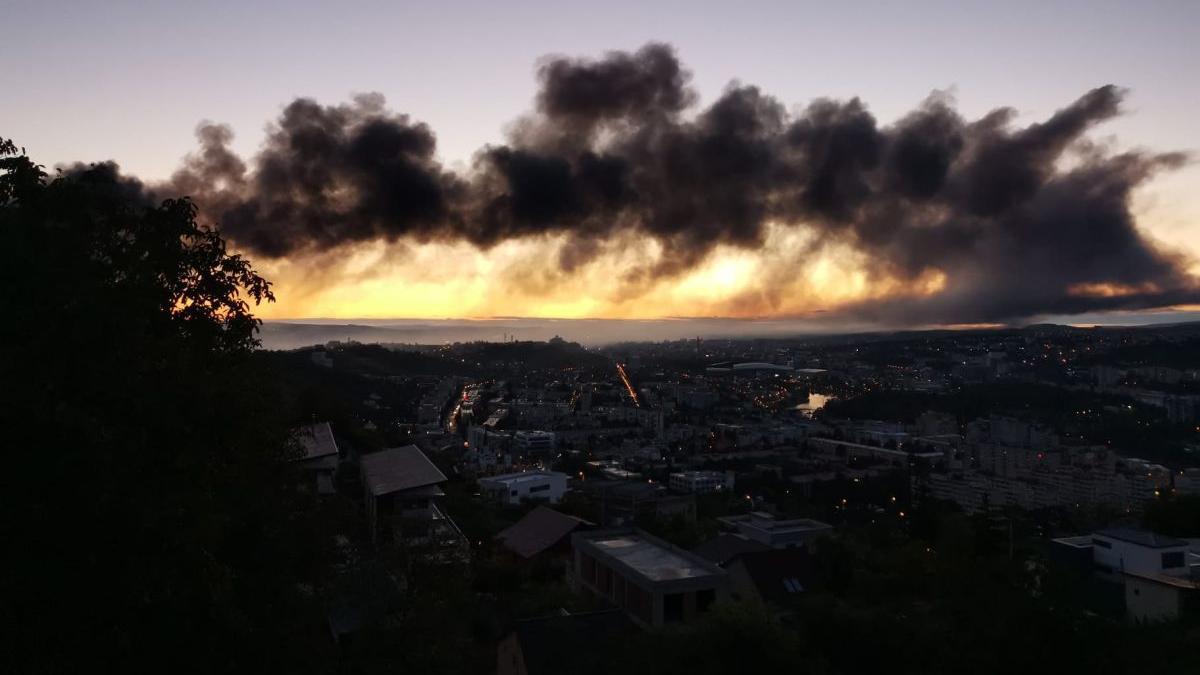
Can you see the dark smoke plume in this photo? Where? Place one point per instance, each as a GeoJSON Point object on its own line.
{"type": "Point", "coordinates": [1020, 221]}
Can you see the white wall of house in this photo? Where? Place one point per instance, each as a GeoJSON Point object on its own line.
{"type": "Point", "coordinates": [547, 486]}
{"type": "Point", "coordinates": [1126, 556]}
{"type": "Point", "coordinates": [1150, 600]}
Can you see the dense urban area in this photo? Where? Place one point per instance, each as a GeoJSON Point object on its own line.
{"type": "Point", "coordinates": [784, 499]}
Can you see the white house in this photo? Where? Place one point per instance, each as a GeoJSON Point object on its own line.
{"type": "Point", "coordinates": [1158, 575]}
{"type": "Point", "coordinates": [514, 488]}
{"type": "Point", "coordinates": [1140, 552]}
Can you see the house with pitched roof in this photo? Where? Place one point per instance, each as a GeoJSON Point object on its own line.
{"type": "Point", "coordinates": [320, 456]}
{"type": "Point", "coordinates": [401, 489]}
{"type": "Point", "coordinates": [542, 533]}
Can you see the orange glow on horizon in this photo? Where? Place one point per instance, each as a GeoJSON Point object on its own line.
{"type": "Point", "coordinates": [786, 277]}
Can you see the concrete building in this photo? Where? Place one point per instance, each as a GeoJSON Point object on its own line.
{"type": "Point", "coordinates": [1140, 552]}
{"type": "Point", "coordinates": [856, 453]}
{"type": "Point", "coordinates": [620, 502]}
{"type": "Point", "coordinates": [1158, 577]}
{"type": "Point", "coordinates": [765, 529]}
{"type": "Point", "coordinates": [514, 488]}
{"type": "Point", "coordinates": [1052, 486]}
{"type": "Point", "coordinates": [701, 482]}
{"type": "Point", "coordinates": [654, 582]}
{"type": "Point", "coordinates": [534, 443]}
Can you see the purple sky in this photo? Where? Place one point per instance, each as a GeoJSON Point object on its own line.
{"type": "Point", "coordinates": [129, 81]}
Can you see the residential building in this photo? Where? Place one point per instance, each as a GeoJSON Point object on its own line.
{"type": "Point", "coordinates": [776, 577]}
{"type": "Point", "coordinates": [534, 443]}
{"type": "Point", "coordinates": [620, 502]}
{"type": "Point", "coordinates": [401, 490]}
{"type": "Point", "coordinates": [320, 458]}
{"type": "Point", "coordinates": [655, 582]}
{"type": "Point", "coordinates": [701, 482]}
{"type": "Point", "coordinates": [766, 529]}
{"type": "Point", "coordinates": [514, 488]}
{"type": "Point", "coordinates": [1157, 576]}
{"type": "Point", "coordinates": [542, 532]}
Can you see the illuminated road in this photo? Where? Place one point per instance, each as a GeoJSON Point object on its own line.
{"type": "Point", "coordinates": [628, 386]}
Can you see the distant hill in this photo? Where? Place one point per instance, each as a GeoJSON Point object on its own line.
{"type": "Point", "coordinates": [596, 332]}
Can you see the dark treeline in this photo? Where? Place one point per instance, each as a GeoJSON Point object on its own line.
{"type": "Point", "coordinates": [148, 514]}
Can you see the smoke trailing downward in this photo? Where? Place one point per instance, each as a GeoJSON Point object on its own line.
{"type": "Point", "coordinates": [616, 146]}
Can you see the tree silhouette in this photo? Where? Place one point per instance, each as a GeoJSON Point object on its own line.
{"type": "Point", "coordinates": [147, 497]}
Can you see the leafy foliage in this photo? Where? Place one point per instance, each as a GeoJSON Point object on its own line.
{"type": "Point", "coordinates": [147, 492]}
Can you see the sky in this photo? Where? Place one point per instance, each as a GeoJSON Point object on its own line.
{"type": "Point", "coordinates": [130, 82]}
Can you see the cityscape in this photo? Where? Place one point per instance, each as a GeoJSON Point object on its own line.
{"type": "Point", "coordinates": [704, 456]}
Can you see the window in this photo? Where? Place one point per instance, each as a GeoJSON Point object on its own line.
{"type": "Point", "coordinates": [587, 568]}
{"type": "Point", "coordinates": [792, 585]}
{"type": "Point", "coordinates": [604, 579]}
{"type": "Point", "coordinates": [1101, 543]}
{"type": "Point", "coordinates": [640, 603]}
{"type": "Point", "coordinates": [705, 599]}
{"type": "Point", "coordinates": [539, 488]}
{"type": "Point", "coordinates": [672, 607]}
{"type": "Point", "coordinates": [1172, 559]}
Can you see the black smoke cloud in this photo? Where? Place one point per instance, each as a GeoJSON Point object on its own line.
{"type": "Point", "coordinates": [1021, 221]}
{"type": "Point", "coordinates": [324, 177]}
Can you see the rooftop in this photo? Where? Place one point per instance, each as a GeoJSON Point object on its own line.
{"type": "Point", "coordinates": [650, 557]}
{"type": "Point", "coordinates": [539, 530]}
{"type": "Point", "coordinates": [1142, 538]}
{"type": "Point", "coordinates": [779, 574]}
{"type": "Point", "coordinates": [397, 469]}
{"type": "Point", "coordinates": [1080, 541]}
{"type": "Point", "coordinates": [759, 365]}
{"type": "Point", "coordinates": [766, 521]}
{"type": "Point", "coordinates": [316, 440]}
{"type": "Point", "coordinates": [700, 474]}
{"type": "Point", "coordinates": [521, 477]}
